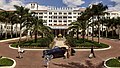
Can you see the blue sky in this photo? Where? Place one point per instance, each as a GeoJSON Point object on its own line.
{"type": "Point", "coordinates": [59, 3]}
{"type": "Point", "coordinates": [8, 4]}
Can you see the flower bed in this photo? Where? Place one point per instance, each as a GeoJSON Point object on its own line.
{"type": "Point", "coordinates": [112, 63]}
{"type": "Point", "coordinates": [7, 62]}
{"type": "Point", "coordinates": [73, 42]}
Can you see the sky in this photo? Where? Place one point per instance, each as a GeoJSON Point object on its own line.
{"type": "Point", "coordinates": [112, 4]}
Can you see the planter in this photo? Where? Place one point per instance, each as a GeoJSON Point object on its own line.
{"type": "Point", "coordinates": [108, 66]}
{"type": "Point", "coordinates": [13, 66]}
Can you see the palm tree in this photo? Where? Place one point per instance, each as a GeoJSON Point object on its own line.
{"type": "Point", "coordinates": [76, 27]}
{"type": "Point", "coordinates": [36, 26]}
{"type": "Point", "coordinates": [12, 21]}
{"type": "Point", "coordinates": [98, 10]}
{"type": "Point", "coordinates": [5, 18]}
{"type": "Point", "coordinates": [118, 26]}
{"type": "Point", "coordinates": [21, 13]}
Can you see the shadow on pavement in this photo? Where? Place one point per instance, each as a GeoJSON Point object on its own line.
{"type": "Point", "coordinates": [79, 65]}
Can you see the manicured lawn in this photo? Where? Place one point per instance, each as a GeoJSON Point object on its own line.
{"type": "Point", "coordinates": [6, 62]}
{"type": "Point", "coordinates": [41, 42]}
{"type": "Point", "coordinates": [113, 63]}
{"type": "Point", "coordinates": [86, 44]}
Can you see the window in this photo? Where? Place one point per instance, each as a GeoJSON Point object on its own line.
{"type": "Point", "coordinates": [32, 6]}
{"type": "Point", "coordinates": [60, 20]}
{"type": "Point", "coordinates": [64, 16]}
{"type": "Point", "coordinates": [69, 16]}
{"type": "Point", "coordinates": [60, 13]}
{"type": "Point", "coordinates": [65, 21]}
{"type": "Point", "coordinates": [50, 24]}
{"type": "Point", "coordinates": [40, 13]}
{"type": "Point", "coordinates": [60, 17]}
{"type": "Point", "coordinates": [69, 13]}
{"type": "Point", "coordinates": [55, 20]}
{"type": "Point", "coordinates": [74, 17]}
{"type": "Point", "coordinates": [65, 13]}
{"type": "Point", "coordinates": [50, 13]}
{"type": "Point", "coordinates": [45, 12]}
{"type": "Point", "coordinates": [55, 13]}
{"type": "Point", "coordinates": [40, 16]}
{"type": "Point", "coordinates": [50, 16]}
{"type": "Point", "coordinates": [69, 20]}
{"type": "Point", "coordinates": [50, 20]}
{"type": "Point", "coordinates": [45, 16]}
{"type": "Point", "coordinates": [55, 17]}
{"type": "Point", "coordinates": [74, 13]}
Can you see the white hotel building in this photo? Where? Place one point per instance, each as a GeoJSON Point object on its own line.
{"type": "Point", "coordinates": [57, 18]}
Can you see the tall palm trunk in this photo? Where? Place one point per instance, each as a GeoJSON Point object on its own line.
{"type": "Point", "coordinates": [83, 35]}
{"type": "Point", "coordinates": [98, 30]}
{"type": "Point", "coordinates": [11, 32]}
{"type": "Point", "coordinates": [5, 30]}
{"type": "Point", "coordinates": [112, 32]}
{"type": "Point", "coordinates": [77, 34]}
{"type": "Point", "coordinates": [16, 31]}
{"type": "Point", "coordinates": [87, 32]}
{"type": "Point", "coordinates": [106, 32]}
{"type": "Point", "coordinates": [102, 29]}
{"type": "Point", "coordinates": [92, 29]}
{"type": "Point", "coordinates": [119, 31]}
{"type": "Point", "coordinates": [27, 36]}
{"type": "Point", "coordinates": [99, 33]}
{"type": "Point", "coordinates": [20, 33]}
{"type": "Point", "coordinates": [36, 36]}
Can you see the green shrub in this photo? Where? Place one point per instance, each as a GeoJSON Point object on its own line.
{"type": "Point", "coordinates": [6, 62]}
{"type": "Point", "coordinates": [73, 42]}
{"type": "Point", "coordinates": [41, 42]}
{"type": "Point", "coordinates": [113, 63]}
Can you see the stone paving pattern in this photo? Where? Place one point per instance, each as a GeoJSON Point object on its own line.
{"type": "Point", "coordinates": [33, 59]}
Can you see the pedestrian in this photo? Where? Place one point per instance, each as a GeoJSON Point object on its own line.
{"type": "Point", "coordinates": [66, 54]}
{"type": "Point", "coordinates": [47, 60]}
{"type": "Point", "coordinates": [92, 53]}
{"type": "Point", "coordinates": [20, 52]}
{"type": "Point", "coordinates": [69, 52]}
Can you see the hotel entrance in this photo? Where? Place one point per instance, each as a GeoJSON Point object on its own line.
{"type": "Point", "coordinates": [63, 32]}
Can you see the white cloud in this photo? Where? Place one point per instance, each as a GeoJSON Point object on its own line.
{"type": "Point", "coordinates": [9, 5]}
{"type": "Point", "coordinates": [117, 6]}
{"type": "Point", "coordinates": [73, 3]}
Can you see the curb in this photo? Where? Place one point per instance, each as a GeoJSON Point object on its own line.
{"type": "Point", "coordinates": [108, 66]}
{"type": "Point", "coordinates": [102, 49]}
{"type": "Point", "coordinates": [13, 66]}
{"type": "Point", "coordinates": [27, 49]}
{"type": "Point", "coordinates": [10, 39]}
{"type": "Point", "coordinates": [74, 49]}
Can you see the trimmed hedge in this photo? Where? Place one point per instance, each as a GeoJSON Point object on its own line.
{"type": "Point", "coordinates": [113, 63]}
{"type": "Point", "coordinates": [41, 42]}
{"type": "Point", "coordinates": [6, 62]}
{"type": "Point", "coordinates": [88, 43]}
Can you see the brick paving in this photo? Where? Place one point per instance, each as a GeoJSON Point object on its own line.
{"type": "Point", "coordinates": [33, 59]}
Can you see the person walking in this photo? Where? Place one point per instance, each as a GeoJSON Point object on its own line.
{"type": "Point", "coordinates": [92, 54]}
{"type": "Point", "coordinates": [19, 52]}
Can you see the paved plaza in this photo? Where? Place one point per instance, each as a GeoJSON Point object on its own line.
{"type": "Point", "coordinates": [33, 59]}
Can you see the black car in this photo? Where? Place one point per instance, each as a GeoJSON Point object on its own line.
{"type": "Point", "coordinates": [56, 52]}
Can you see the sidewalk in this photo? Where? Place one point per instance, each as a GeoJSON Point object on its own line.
{"type": "Point", "coordinates": [11, 39]}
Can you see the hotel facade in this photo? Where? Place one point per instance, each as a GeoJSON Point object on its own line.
{"type": "Point", "coordinates": [58, 19]}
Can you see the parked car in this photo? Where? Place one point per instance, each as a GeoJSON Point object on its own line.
{"type": "Point", "coordinates": [56, 52]}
